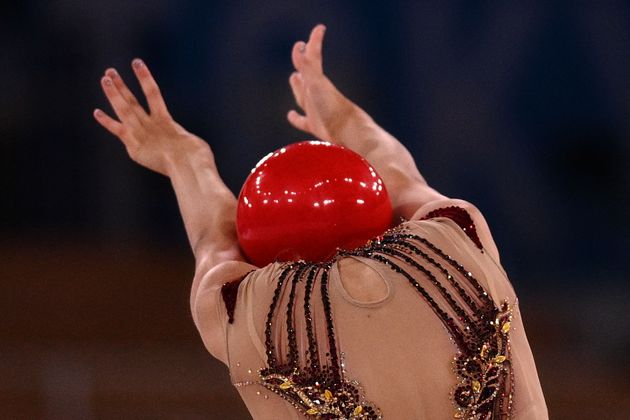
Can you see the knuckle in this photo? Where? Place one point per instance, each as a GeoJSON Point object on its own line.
{"type": "Point", "coordinates": [133, 149]}
{"type": "Point", "coordinates": [124, 107]}
{"type": "Point", "coordinates": [163, 118]}
{"type": "Point", "coordinates": [132, 103]}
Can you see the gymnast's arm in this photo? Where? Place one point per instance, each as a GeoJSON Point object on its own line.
{"type": "Point", "coordinates": [331, 116]}
{"type": "Point", "coordinates": [157, 142]}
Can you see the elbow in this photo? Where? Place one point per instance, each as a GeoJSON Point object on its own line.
{"type": "Point", "coordinates": [207, 258]}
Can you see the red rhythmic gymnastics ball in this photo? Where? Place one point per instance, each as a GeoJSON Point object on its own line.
{"type": "Point", "coordinates": [307, 199]}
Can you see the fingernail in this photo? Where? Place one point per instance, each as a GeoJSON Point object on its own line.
{"type": "Point", "coordinates": [98, 112]}
{"type": "Point", "coordinates": [111, 73]}
{"type": "Point", "coordinates": [107, 81]}
{"type": "Point", "coordinates": [137, 63]}
{"type": "Point", "coordinates": [302, 47]}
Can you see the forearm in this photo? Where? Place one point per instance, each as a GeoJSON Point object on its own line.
{"type": "Point", "coordinates": [207, 206]}
{"type": "Point", "coordinates": [407, 188]}
{"type": "Point", "coordinates": [156, 141]}
{"type": "Point", "coordinates": [329, 115]}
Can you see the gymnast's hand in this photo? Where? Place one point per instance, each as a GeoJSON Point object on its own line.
{"type": "Point", "coordinates": [153, 139]}
{"type": "Point", "coordinates": [326, 110]}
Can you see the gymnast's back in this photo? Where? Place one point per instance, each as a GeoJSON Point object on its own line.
{"type": "Point", "coordinates": [420, 323]}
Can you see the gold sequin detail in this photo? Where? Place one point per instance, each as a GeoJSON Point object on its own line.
{"type": "Point", "coordinates": [485, 376]}
{"type": "Point", "coordinates": [312, 400]}
{"type": "Point", "coordinates": [476, 386]}
{"type": "Point", "coordinates": [499, 359]}
{"type": "Point", "coordinates": [328, 395]}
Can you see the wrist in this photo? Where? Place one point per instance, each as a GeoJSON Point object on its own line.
{"type": "Point", "coordinates": [194, 152]}
{"type": "Point", "coordinates": [352, 131]}
{"type": "Point", "coordinates": [346, 115]}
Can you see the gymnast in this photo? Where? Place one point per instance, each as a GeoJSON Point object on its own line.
{"type": "Point", "coordinates": [419, 323]}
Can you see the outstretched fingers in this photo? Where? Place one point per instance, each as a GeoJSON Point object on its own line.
{"type": "Point", "coordinates": [298, 121]}
{"type": "Point", "coordinates": [314, 44]}
{"type": "Point", "coordinates": [110, 124]}
{"type": "Point", "coordinates": [122, 108]}
{"type": "Point", "coordinates": [295, 81]}
{"type": "Point", "coordinates": [307, 56]}
{"type": "Point", "coordinates": [297, 55]}
{"type": "Point", "coordinates": [125, 92]}
{"type": "Point", "coordinates": [150, 88]}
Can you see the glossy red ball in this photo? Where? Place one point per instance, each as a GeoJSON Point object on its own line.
{"type": "Point", "coordinates": [307, 199]}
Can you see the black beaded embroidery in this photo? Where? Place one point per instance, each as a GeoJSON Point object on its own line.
{"type": "Point", "coordinates": [480, 329]}
{"type": "Point", "coordinates": [317, 386]}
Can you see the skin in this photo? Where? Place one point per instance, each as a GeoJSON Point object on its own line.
{"type": "Point", "coordinates": [329, 115]}
{"type": "Point", "coordinates": [156, 141]}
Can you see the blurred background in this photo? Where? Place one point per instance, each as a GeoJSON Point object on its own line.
{"type": "Point", "coordinates": [522, 109]}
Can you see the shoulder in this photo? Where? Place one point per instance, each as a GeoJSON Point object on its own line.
{"type": "Point", "coordinates": [215, 299]}
{"type": "Point", "coordinates": [460, 230]}
{"type": "Point", "coordinates": [463, 218]}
